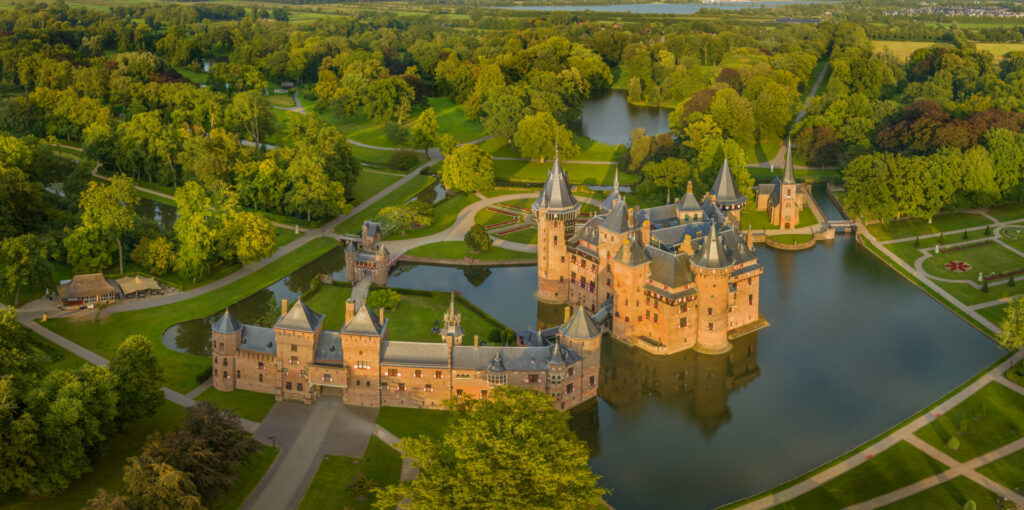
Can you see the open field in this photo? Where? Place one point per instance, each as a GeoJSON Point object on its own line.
{"type": "Point", "coordinates": [407, 422]}
{"type": "Point", "coordinates": [903, 49]}
{"type": "Point", "coordinates": [953, 494]}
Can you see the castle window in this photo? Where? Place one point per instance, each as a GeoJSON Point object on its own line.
{"type": "Point", "coordinates": [261, 377]}
{"type": "Point", "coordinates": [214, 360]}
{"type": "Point", "coordinates": [556, 244]}
{"type": "Point", "coordinates": [288, 385]}
{"type": "Point", "coordinates": [497, 378]}
{"type": "Point", "coordinates": [418, 374]}
{"type": "Point", "coordinates": [260, 365]}
{"type": "Point", "coordinates": [458, 392]}
{"type": "Point", "coordinates": [711, 326]}
{"type": "Point", "coordinates": [362, 365]}
{"type": "Point", "coordinates": [647, 313]}
{"type": "Point", "coordinates": [533, 378]}
{"type": "Point", "coordinates": [655, 318]}
{"type": "Point", "coordinates": [591, 380]}
{"type": "Point", "coordinates": [238, 374]}
{"type": "Point", "coordinates": [483, 393]}
{"type": "Point", "coordinates": [568, 388]}
{"type": "Point", "coordinates": [300, 386]}
{"type": "Point", "coordinates": [225, 362]}
{"type": "Point", "coordinates": [358, 382]}
{"type": "Point", "coordinates": [572, 371]}
{"type": "Point", "coordinates": [462, 376]}
{"type": "Point", "coordinates": [215, 372]}
{"type": "Point", "coordinates": [222, 346]}
{"type": "Point", "coordinates": [437, 374]}
{"type": "Point", "coordinates": [750, 299]}
{"type": "Point", "coordinates": [428, 388]}
{"type": "Point", "coordinates": [224, 374]}
{"type": "Point", "coordinates": [682, 322]}
{"type": "Point", "coordinates": [556, 378]}
{"type": "Point", "coordinates": [327, 378]}
{"type": "Point", "coordinates": [295, 347]}
{"type": "Point", "coordinates": [392, 372]}
{"type": "Point", "coordinates": [383, 385]}
{"type": "Point", "coordinates": [294, 360]}
{"type": "Point", "coordinates": [401, 386]}
{"type": "Point", "coordinates": [709, 310]}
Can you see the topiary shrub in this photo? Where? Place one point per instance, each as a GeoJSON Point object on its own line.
{"type": "Point", "coordinates": [1011, 283]}
{"type": "Point", "coordinates": [984, 286]}
{"type": "Point", "coordinates": [403, 159]}
{"type": "Point", "coordinates": [383, 298]}
{"type": "Point", "coordinates": [970, 505]}
{"type": "Point", "coordinates": [965, 235]}
{"type": "Point", "coordinates": [953, 443]}
{"type": "Point", "coordinates": [477, 238]}
{"type": "Point", "coordinates": [988, 230]}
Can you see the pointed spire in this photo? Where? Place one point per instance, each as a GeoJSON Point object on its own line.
{"type": "Point", "coordinates": [787, 177]}
{"type": "Point", "coordinates": [226, 323]}
{"type": "Point", "coordinates": [712, 254]}
{"type": "Point", "coordinates": [556, 354]}
{"type": "Point", "coordinates": [452, 320]}
{"type": "Point", "coordinates": [724, 189]}
{"type": "Point", "coordinates": [556, 193]}
{"type": "Point", "coordinates": [615, 186]}
{"type": "Point", "coordinates": [580, 326]}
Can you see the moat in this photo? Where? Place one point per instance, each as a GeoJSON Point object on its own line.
{"type": "Point", "coordinates": [695, 431]}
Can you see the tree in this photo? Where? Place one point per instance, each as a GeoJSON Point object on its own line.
{"type": "Point", "coordinates": [477, 239]}
{"type": "Point", "coordinates": [413, 214]}
{"type": "Point", "coordinates": [193, 230]}
{"type": "Point", "coordinates": [425, 130]}
{"type": "Point", "coordinates": [88, 250]}
{"type": "Point", "coordinates": [156, 485]}
{"type": "Point", "coordinates": [20, 362]}
{"type": "Point", "coordinates": [503, 109]}
{"type": "Point", "coordinates": [155, 255]}
{"type": "Point", "coordinates": [389, 99]}
{"type": "Point", "coordinates": [1012, 335]}
{"type": "Point", "coordinates": [310, 134]}
{"type": "Point", "coordinates": [249, 114]}
{"type": "Point", "coordinates": [537, 134]}
{"type": "Point", "coordinates": [110, 208]}
{"type": "Point", "coordinates": [468, 169]}
{"type": "Point", "coordinates": [383, 298]}
{"type": "Point", "coordinates": [312, 192]}
{"type": "Point", "coordinates": [139, 379]}
{"type": "Point", "coordinates": [773, 109]}
{"type": "Point", "coordinates": [670, 174]}
{"type": "Point", "coordinates": [25, 261]}
{"type": "Point", "coordinates": [510, 450]}
{"type": "Point", "coordinates": [250, 236]}
{"type": "Point", "coordinates": [734, 114]}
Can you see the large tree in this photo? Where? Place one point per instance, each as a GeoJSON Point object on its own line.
{"type": "Point", "coordinates": [312, 192]}
{"type": "Point", "coordinates": [25, 261]}
{"type": "Point", "coordinates": [425, 130]}
{"type": "Point", "coordinates": [193, 230]}
{"type": "Point", "coordinates": [389, 99]}
{"type": "Point", "coordinates": [1012, 335]}
{"type": "Point", "coordinates": [537, 136]}
{"type": "Point", "coordinates": [110, 208]}
{"type": "Point", "coordinates": [468, 169]}
{"type": "Point", "coordinates": [139, 378]}
{"type": "Point", "coordinates": [250, 115]}
{"type": "Point", "coordinates": [511, 450]}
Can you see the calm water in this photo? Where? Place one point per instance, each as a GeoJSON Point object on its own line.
{"type": "Point", "coordinates": [610, 118]}
{"type": "Point", "coordinates": [852, 350]}
{"type": "Point", "coordinates": [163, 214]}
{"type": "Point", "coordinates": [651, 8]}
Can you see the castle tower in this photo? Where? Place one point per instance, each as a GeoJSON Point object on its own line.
{"type": "Point", "coordinates": [296, 333]}
{"type": "Point", "coordinates": [452, 333]}
{"type": "Point", "coordinates": [710, 267]}
{"type": "Point", "coordinates": [789, 204]}
{"type": "Point", "coordinates": [226, 336]}
{"type": "Point", "coordinates": [361, 339]}
{"type": "Point", "coordinates": [580, 334]}
{"type": "Point", "coordinates": [555, 210]}
{"type": "Point", "coordinates": [728, 199]}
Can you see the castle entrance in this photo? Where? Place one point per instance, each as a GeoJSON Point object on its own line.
{"type": "Point", "coordinates": [330, 391]}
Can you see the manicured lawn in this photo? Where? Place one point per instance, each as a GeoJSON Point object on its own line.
{"type": "Point", "coordinates": [996, 314]}
{"type": "Point", "coordinates": [530, 171]}
{"type": "Point", "coordinates": [244, 404]}
{"type": "Point", "coordinates": [330, 486]}
{"type": "Point", "coordinates": [525, 236]}
{"type": "Point", "coordinates": [281, 100]}
{"type": "Point", "coordinates": [972, 296]}
{"type": "Point", "coordinates": [900, 465]}
{"type": "Point", "coordinates": [792, 238]}
{"type": "Point", "coordinates": [590, 150]}
{"type": "Point", "coordinates": [457, 250]}
{"type": "Point", "coordinates": [918, 227]}
{"type": "Point", "coordinates": [370, 183]}
{"type": "Point", "coordinates": [445, 214]}
{"type": "Point", "coordinates": [404, 192]}
{"type": "Point", "coordinates": [451, 118]}
{"type": "Point", "coordinates": [285, 236]}
{"type": "Point", "coordinates": [180, 370]}
{"type": "Point", "coordinates": [990, 258]}
{"type": "Point", "coordinates": [1007, 471]}
{"type": "Point", "coordinates": [990, 418]}
{"type": "Point", "coordinates": [751, 217]}
{"type": "Point", "coordinates": [109, 467]}
{"type": "Point", "coordinates": [1016, 373]}
{"type": "Point", "coordinates": [909, 250]}
{"type": "Point", "coordinates": [249, 475]}
{"type": "Point", "coordinates": [1007, 212]}
{"type": "Point", "coordinates": [407, 422]}
{"type": "Point", "coordinates": [197, 77]}
{"type": "Point", "coordinates": [952, 495]}
{"type": "Point", "coordinates": [380, 157]}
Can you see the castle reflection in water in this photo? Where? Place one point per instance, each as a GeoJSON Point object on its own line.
{"type": "Point", "coordinates": [694, 384]}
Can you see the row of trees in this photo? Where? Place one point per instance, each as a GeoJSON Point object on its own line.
{"type": "Point", "coordinates": [53, 424]}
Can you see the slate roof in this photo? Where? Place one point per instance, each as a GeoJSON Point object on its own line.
{"type": "Point", "coordinates": [617, 220]}
{"type": "Point", "coordinates": [513, 358]}
{"type": "Point", "coordinates": [632, 252]}
{"type": "Point", "coordinates": [670, 269]}
{"type": "Point", "coordinates": [328, 349]}
{"type": "Point", "coordinates": [787, 176]}
{"type": "Point", "coordinates": [496, 365]}
{"type": "Point", "coordinates": [300, 318]}
{"type": "Point", "coordinates": [689, 202]}
{"type": "Point", "coordinates": [419, 354]}
{"type": "Point", "coordinates": [724, 188]}
{"type": "Point", "coordinates": [365, 323]}
{"type": "Point", "coordinates": [556, 193]}
{"type": "Point", "coordinates": [661, 216]}
{"type": "Point", "coordinates": [226, 323]}
{"type": "Point", "coordinates": [712, 254]}
{"type": "Point", "coordinates": [580, 326]}
{"type": "Point", "coordinates": [736, 247]}
{"type": "Point", "coordinates": [258, 339]}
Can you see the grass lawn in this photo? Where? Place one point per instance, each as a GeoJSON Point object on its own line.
{"type": "Point", "coordinates": [249, 475]}
{"type": "Point", "coordinates": [792, 238]}
{"type": "Point", "coordinates": [244, 404]}
{"type": "Point", "coordinates": [590, 150]}
{"type": "Point", "coordinates": [918, 227]}
{"type": "Point", "coordinates": [996, 314]}
{"type": "Point", "coordinates": [458, 250]}
{"type": "Point", "coordinates": [1016, 373]}
{"type": "Point", "coordinates": [197, 77]}
{"type": "Point", "coordinates": [402, 194]}
{"type": "Point", "coordinates": [445, 213]}
{"type": "Point", "coordinates": [751, 217]}
{"type": "Point", "coordinates": [909, 250]}
{"type": "Point", "coordinates": [952, 495]}
{"type": "Point", "coordinates": [900, 465]}
{"type": "Point", "coordinates": [109, 467]}
{"type": "Point", "coordinates": [180, 370]}
{"type": "Point", "coordinates": [766, 174]}
{"type": "Point", "coordinates": [990, 418]}
{"type": "Point", "coordinates": [411, 321]}
{"type": "Point", "coordinates": [284, 236]}
{"type": "Point", "coordinates": [1007, 212]}
{"type": "Point", "coordinates": [1007, 471]}
{"type": "Point", "coordinates": [380, 157]}
{"type": "Point", "coordinates": [407, 422]}
{"type": "Point", "coordinates": [971, 296]}
{"type": "Point", "coordinates": [370, 183]}
{"type": "Point", "coordinates": [530, 171]}
{"type": "Point", "coordinates": [330, 486]}
{"type": "Point", "coordinates": [902, 49]}
{"type": "Point", "coordinates": [451, 118]}
{"type": "Point", "coordinates": [281, 100]}
{"type": "Point", "coordinates": [990, 258]}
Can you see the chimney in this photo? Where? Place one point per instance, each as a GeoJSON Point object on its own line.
{"type": "Point", "coordinates": [686, 245]}
{"type": "Point", "coordinates": [476, 341]}
{"type": "Point", "coordinates": [568, 310]}
{"type": "Point", "coordinates": [645, 231]}
{"type": "Point", "coordinates": [689, 186]}
{"type": "Point", "coordinates": [380, 314]}
{"type": "Point", "coordinates": [750, 238]}
{"type": "Point", "coordinates": [350, 309]}
{"type": "Point", "coordinates": [284, 307]}
{"type": "Point", "coordinates": [630, 217]}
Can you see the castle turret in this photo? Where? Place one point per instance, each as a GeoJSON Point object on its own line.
{"type": "Point", "coordinates": [226, 335]}
{"type": "Point", "coordinates": [726, 196]}
{"type": "Point", "coordinates": [583, 336]}
{"type": "Point", "coordinates": [361, 340]}
{"type": "Point", "coordinates": [613, 197]}
{"type": "Point", "coordinates": [710, 267]}
{"type": "Point", "coordinates": [452, 333]}
{"type": "Point", "coordinates": [555, 211]}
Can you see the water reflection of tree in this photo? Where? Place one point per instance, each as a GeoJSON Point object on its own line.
{"type": "Point", "coordinates": [193, 337]}
{"type": "Point", "coordinates": [329, 263]}
{"type": "Point", "coordinates": [584, 422]}
{"type": "Point", "coordinates": [400, 269]}
{"type": "Point", "coordinates": [695, 384]}
{"type": "Point", "coordinates": [476, 276]}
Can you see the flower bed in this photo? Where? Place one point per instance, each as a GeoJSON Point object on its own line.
{"type": "Point", "coordinates": [499, 211]}
{"type": "Point", "coordinates": [999, 276]}
{"type": "Point", "coordinates": [517, 208]}
{"type": "Point", "coordinates": [966, 246]}
{"type": "Point", "coordinates": [502, 224]}
{"type": "Point", "coordinates": [517, 229]}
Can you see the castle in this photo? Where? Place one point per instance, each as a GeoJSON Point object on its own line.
{"type": "Point", "coordinates": [297, 359]}
{"type": "Point", "coordinates": [365, 255]}
{"type": "Point", "coordinates": [782, 200]}
{"type": "Point", "coordinates": [671, 277]}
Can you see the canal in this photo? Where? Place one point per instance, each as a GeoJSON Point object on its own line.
{"type": "Point", "coordinates": [852, 350]}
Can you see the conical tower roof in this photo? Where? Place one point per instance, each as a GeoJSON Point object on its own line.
{"type": "Point", "coordinates": [556, 355]}
{"type": "Point", "coordinates": [556, 194]}
{"type": "Point", "coordinates": [580, 326]}
{"type": "Point", "coordinates": [300, 318]}
{"type": "Point", "coordinates": [226, 323]}
{"type": "Point", "coordinates": [724, 188]}
{"type": "Point", "coordinates": [787, 176]}
{"type": "Point", "coordinates": [617, 220]}
{"type": "Point", "coordinates": [689, 202]}
{"type": "Point", "coordinates": [712, 254]}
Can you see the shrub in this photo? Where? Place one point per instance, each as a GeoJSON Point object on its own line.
{"type": "Point", "coordinates": [403, 159]}
{"type": "Point", "coordinates": [414, 214]}
{"type": "Point", "coordinates": [396, 133]}
{"type": "Point", "coordinates": [970, 505]}
{"type": "Point", "coordinates": [477, 238]}
{"type": "Point", "coordinates": [362, 486]}
{"type": "Point", "coordinates": [1011, 282]}
{"type": "Point", "coordinates": [965, 235]}
{"type": "Point", "coordinates": [953, 443]}
{"type": "Point", "coordinates": [988, 230]}
{"type": "Point", "coordinates": [917, 242]}
{"type": "Point", "coordinates": [155, 255]}
{"type": "Point", "coordinates": [383, 298]}
{"type": "Point", "coordinates": [942, 238]}
{"type": "Point", "coordinates": [984, 286]}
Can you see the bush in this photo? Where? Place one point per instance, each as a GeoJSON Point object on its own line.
{"type": "Point", "coordinates": [965, 235]}
{"type": "Point", "coordinates": [970, 505]}
{"type": "Point", "coordinates": [396, 133]}
{"type": "Point", "coordinates": [383, 298]}
{"type": "Point", "coordinates": [984, 286]}
{"type": "Point", "coordinates": [953, 443]}
{"type": "Point", "coordinates": [362, 486]}
{"type": "Point", "coordinates": [988, 230]}
{"type": "Point", "coordinates": [1011, 282]}
{"type": "Point", "coordinates": [477, 238]}
{"type": "Point", "coordinates": [155, 255]}
{"type": "Point", "coordinates": [403, 159]}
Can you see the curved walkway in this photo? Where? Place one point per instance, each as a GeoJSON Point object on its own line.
{"type": "Point", "coordinates": [780, 157]}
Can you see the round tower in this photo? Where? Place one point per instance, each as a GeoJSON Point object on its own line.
{"type": "Point", "coordinates": [555, 211]}
{"type": "Point", "coordinates": [583, 336]}
{"type": "Point", "coordinates": [710, 268]}
{"type": "Point", "coordinates": [226, 335]}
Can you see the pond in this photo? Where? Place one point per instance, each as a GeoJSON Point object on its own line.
{"type": "Point", "coordinates": [163, 214]}
{"type": "Point", "coordinates": [609, 118]}
{"type": "Point", "coordinates": [655, 8]}
{"type": "Point", "coordinates": [852, 350]}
